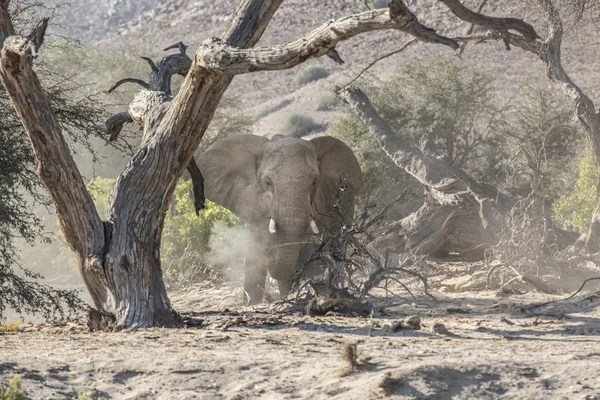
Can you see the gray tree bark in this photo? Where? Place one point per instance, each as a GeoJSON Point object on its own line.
{"type": "Point", "coordinates": [119, 258]}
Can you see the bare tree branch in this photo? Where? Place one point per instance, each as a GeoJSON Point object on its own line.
{"type": "Point", "coordinates": [197, 186]}
{"type": "Point", "coordinates": [114, 124]}
{"type": "Point", "coordinates": [471, 27]}
{"type": "Point", "coordinates": [150, 62]}
{"type": "Point", "coordinates": [128, 80]}
{"type": "Point", "coordinates": [217, 55]}
{"type": "Point", "coordinates": [497, 24]}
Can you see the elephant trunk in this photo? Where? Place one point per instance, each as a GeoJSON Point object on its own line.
{"type": "Point", "coordinates": [284, 261]}
{"type": "Point", "coordinates": [291, 222]}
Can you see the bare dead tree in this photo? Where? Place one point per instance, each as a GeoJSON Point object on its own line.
{"type": "Point", "coordinates": [119, 258]}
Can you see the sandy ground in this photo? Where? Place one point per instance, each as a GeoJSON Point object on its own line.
{"type": "Point", "coordinates": [494, 349]}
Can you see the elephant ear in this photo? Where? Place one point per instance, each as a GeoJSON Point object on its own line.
{"type": "Point", "coordinates": [229, 171]}
{"type": "Point", "coordinates": [336, 159]}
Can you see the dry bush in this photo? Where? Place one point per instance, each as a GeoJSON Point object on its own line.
{"type": "Point", "coordinates": [310, 74]}
{"type": "Point", "coordinates": [533, 253]}
{"type": "Point", "coordinates": [352, 267]}
{"type": "Point", "coordinates": [13, 390]}
{"type": "Point", "coordinates": [299, 125]}
{"type": "Point", "coordinates": [328, 103]}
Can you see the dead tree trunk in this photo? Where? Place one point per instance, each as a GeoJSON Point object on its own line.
{"type": "Point", "coordinates": [465, 216]}
{"type": "Point", "coordinates": [119, 258]}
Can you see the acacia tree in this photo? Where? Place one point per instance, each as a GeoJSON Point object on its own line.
{"type": "Point", "coordinates": [549, 50]}
{"type": "Point", "coordinates": [119, 257]}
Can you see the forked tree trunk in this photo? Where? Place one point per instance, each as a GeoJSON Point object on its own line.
{"type": "Point", "coordinates": [119, 258]}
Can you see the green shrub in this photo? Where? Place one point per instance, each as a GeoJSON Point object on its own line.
{"type": "Point", "coordinates": [310, 74]}
{"type": "Point", "coordinates": [450, 97]}
{"type": "Point", "coordinates": [13, 390]}
{"type": "Point", "coordinates": [185, 236]}
{"type": "Point", "coordinates": [575, 209]}
{"type": "Point", "coordinates": [300, 125]}
{"type": "Point", "coordinates": [523, 146]}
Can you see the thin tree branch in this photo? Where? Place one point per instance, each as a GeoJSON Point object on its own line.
{"type": "Point", "coordinates": [197, 186]}
{"type": "Point", "coordinates": [497, 24]}
{"type": "Point", "coordinates": [150, 62]}
{"type": "Point", "coordinates": [128, 80]}
{"type": "Point", "coordinates": [365, 69]}
{"type": "Point", "coordinates": [114, 124]}
{"type": "Point", "coordinates": [471, 27]}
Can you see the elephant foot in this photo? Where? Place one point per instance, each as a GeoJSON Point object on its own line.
{"type": "Point", "coordinates": [254, 286]}
{"type": "Point", "coordinates": [253, 294]}
{"type": "Point", "coordinates": [284, 288]}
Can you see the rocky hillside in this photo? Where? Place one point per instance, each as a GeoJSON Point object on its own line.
{"type": "Point", "coordinates": [88, 20]}
{"type": "Point", "coordinates": [148, 26]}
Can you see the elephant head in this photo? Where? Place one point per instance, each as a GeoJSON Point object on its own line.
{"type": "Point", "coordinates": [285, 187]}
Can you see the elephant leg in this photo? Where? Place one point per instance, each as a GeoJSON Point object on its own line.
{"type": "Point", "coordinates": [254, 283]}
{"type": "Point", "coordinates": [284, 287]}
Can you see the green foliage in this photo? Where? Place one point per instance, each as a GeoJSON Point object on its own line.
{"type": "Point", "coordinates": [185, 236]}
{"type": "Point", "coordinates": [310, 74]}
{"type": "Point", "coordinates": [10, 327]}
{"type": "Point", "coordinates": [13, 390]}
{"type": "Point", "coordinates": [81, 395]}
{"type": "Point", "coordinates": [523, 146]}
{"type": "Point", "coordinates": [378, 3]}
{"type": "Point", "coordinates": [300, 125]}
{"type": "Point", "coordinates": [543, 145]}
{"type": "Point", "coordinates": [575, 209]}
{"type": "Point", "coordinates": [451, 98]}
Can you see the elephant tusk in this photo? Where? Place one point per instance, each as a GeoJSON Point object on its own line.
{"type": "Point", "coordinates": [313, 227]}
{"type": "Point", "coordinates": [272, 226]}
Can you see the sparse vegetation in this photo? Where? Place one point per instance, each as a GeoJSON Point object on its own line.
{"type": "Point", "coordinates": [350, 354]}
{"type": "Point", "coordinates": [20, 191]}
{"type": "Point", "coordinates": [13, 390]}
{"type": "Point", "coordinates": [10, 327]}
{"type": "Point", "coordinates": [300, 125]}
{"type": "Point", "coordinates": [575, 209]}
{"type": "Point", "coordinates": [378, 3]}
{"type": "Point", "coordinates": [310, 74]}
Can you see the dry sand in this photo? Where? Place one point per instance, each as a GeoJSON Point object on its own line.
{"type": "Point", "coordinates": [494, 350]}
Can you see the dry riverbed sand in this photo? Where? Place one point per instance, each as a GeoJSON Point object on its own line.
{"type": "Point", "coordinates": [493, 349]}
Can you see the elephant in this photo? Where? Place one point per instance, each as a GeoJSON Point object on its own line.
{"type": "Point", "coordinates": [285, 189]}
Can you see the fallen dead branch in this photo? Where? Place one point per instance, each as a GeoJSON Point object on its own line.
{"type": "Point", "coordinates": [352, 267]}
{"type": "Point", "coordinates": [538, 305]}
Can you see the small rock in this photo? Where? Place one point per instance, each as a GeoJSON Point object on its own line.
{"type": "Point", "coordinates": [440, 328]}
{"type": "Point", "coordinates": [413, 322]}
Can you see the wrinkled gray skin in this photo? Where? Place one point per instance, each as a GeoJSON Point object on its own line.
{"type": "Point", "coordinates": [289, 180]}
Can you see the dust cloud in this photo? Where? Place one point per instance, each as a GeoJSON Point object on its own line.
{"type": "Point", "coordinates": [233, 247]}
